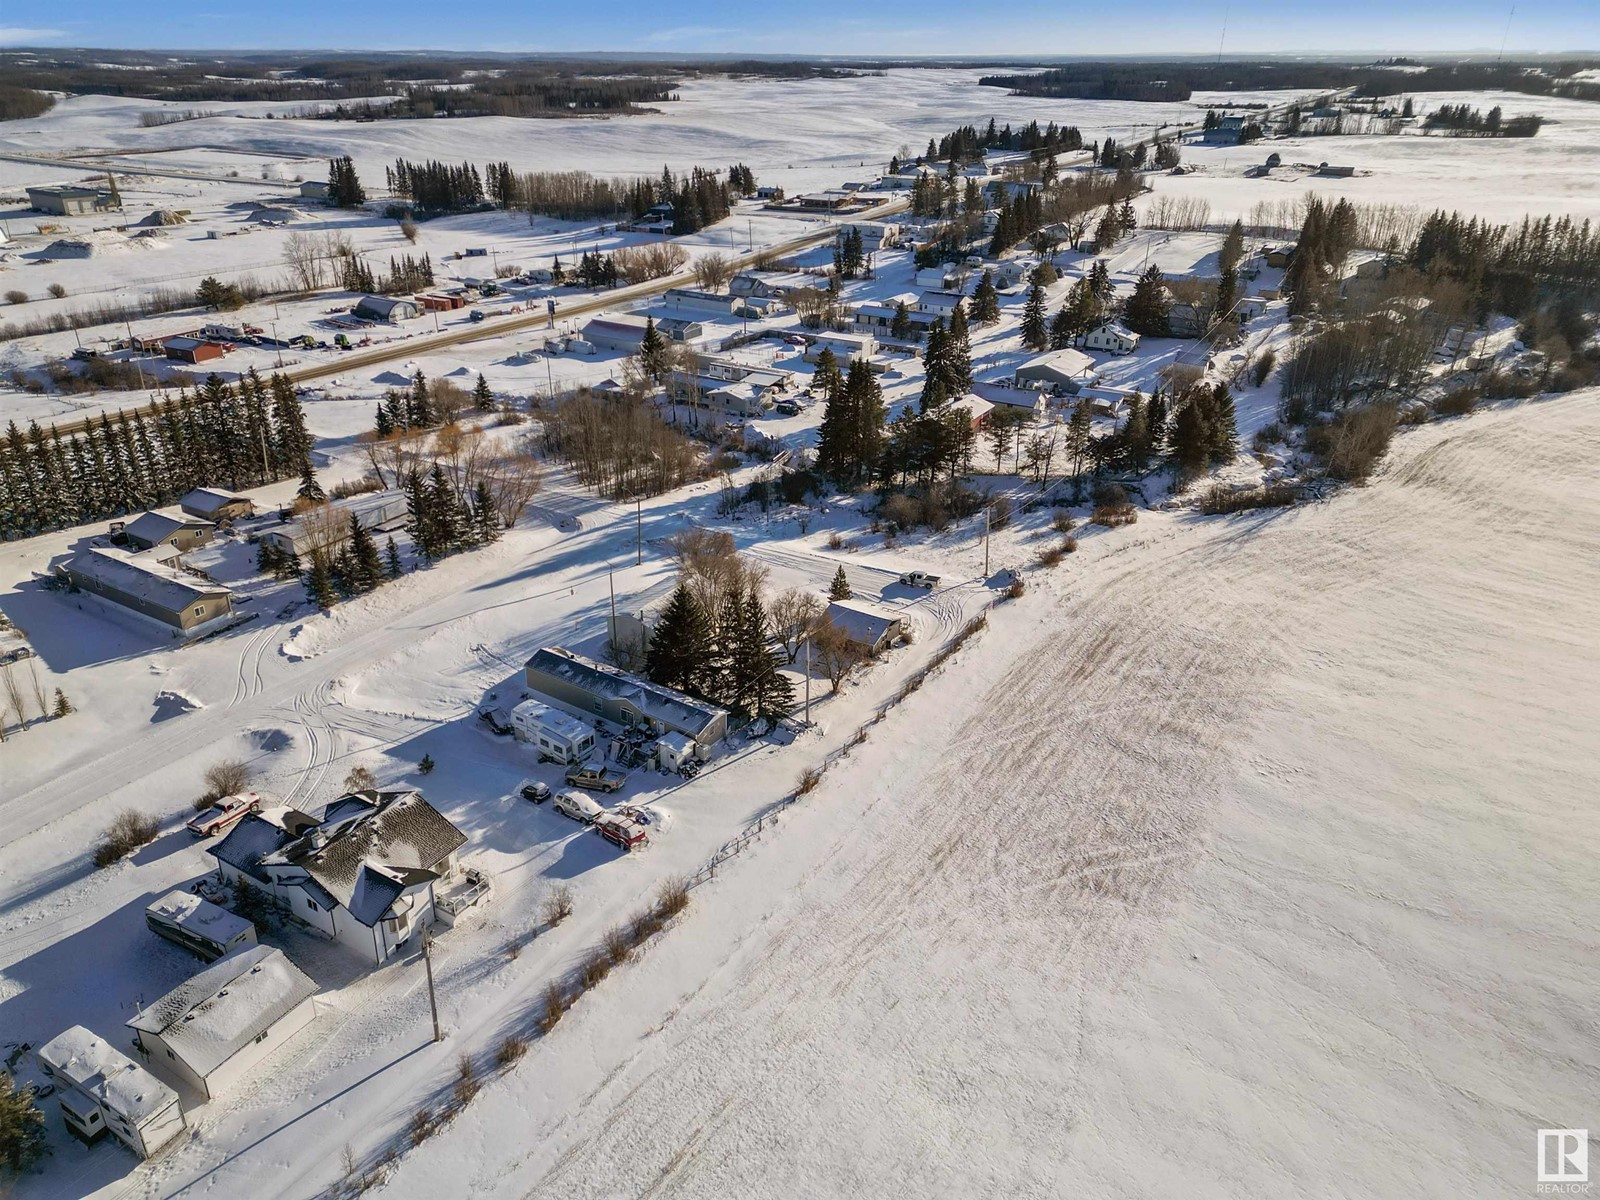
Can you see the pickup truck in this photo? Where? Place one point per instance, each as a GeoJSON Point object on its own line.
{"type": "Point", "coordinates": [920, 579]}
{"type": "Point", "coordinates": [224, 814]}
{"type": "Point", "coordinates": [596, 779]}
{"type": "Point", "coordinates": [578, 806]}
{"type": "Point", "coordinates": [626, 835]}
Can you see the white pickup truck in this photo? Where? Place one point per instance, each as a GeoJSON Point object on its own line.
{"type": "Point", "coordinates": [920, 579]}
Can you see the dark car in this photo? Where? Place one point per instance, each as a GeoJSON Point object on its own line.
{"type": "Point", "coordinates": [535, 791]}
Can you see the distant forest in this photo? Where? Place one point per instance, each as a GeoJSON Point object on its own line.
{"type": "Point", "coordinates": [1169, 81]}
{"type": "Point", "coordinates": [416, 86]}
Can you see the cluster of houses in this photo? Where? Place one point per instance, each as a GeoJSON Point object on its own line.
{"type": "Point", "coordinates": [367, 874]}
{"type": "Point", "coordinates": [145, 576]}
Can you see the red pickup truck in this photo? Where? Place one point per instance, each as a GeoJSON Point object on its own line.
{"type": "Point", "coordinates": [624, 834]}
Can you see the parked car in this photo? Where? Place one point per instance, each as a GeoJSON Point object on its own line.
{"type": "Point", "coordinates": [920, 579]}
{"type": "Point", "coordinates": [497, 719]}
{"type": "Point", "coordinates": [624, 834]}
{"type": "Point", "coordinates": [786, 408]}
{"type": "Point", "coordinates": [535, 791]}
{"type": "Point", "coordinates": [578, 806]}
{"type": "Point", "coordinates": [597, 779]}
{"type": "Point", "coordinates": [224, 814]}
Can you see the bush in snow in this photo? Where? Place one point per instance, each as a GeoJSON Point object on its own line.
{"type": "Point", "coordinates": [558, 906]}
{"type": "Point", "coordinates": [510, 1050]}
{"type": "Point", "coordinates": [128, 831]}
{"type": "Point", "coordinates": [225, 778]}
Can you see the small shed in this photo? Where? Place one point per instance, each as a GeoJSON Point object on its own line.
{"type": "Point", "coordinates": [870, 627]}
{"type": "Point", "coordinates": [193, 350]}
{"type": "Point", "coordinates": [153, 529]}
{"type": "Point", "coordinates": [102, 1090]}
{"type": "Point", "coordinates": [210, 504]}
{"type": "Point", "coordinates": [210, 1032]}
{"type": "Point", "coordinates": [316, 189]}
{"type": "Point", "coordinates": [674, 750]}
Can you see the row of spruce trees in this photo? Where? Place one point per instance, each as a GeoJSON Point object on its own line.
{"type": "Point", "coordinates": [234, 435]}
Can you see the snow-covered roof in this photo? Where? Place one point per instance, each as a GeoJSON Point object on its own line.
{"type": "Point", "coordinates": [254, 837]}
{"type": "Point", "coordinates": [215, 1014]}
{"type": "Point", "coordinates": [153, 526]}
{"type": "Point", "coordinates": [204, 499]}
{"type": "Point", "coordinates": [553, 720]}
{"type": "Point", "coordinates": [198, 916]}
{"type": "Point", "coordinates": [864, 622]}
{"type": "Point", "coordinates": [662, 704]}
{"type": "Point", "coordinates": [89, 1062]}
{"type": "Point", "coordinates": [368, 841]}
{"type": "Point", "coordinates": [976, 407]}
{"type": "Point", "coordinates": [142, 577]}
{"type": "Point", "coordinates": [1066, 364]}
{"type": "Point", "coordinates": [1000, 393]}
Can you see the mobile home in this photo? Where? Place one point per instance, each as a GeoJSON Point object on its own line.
{"type": "Point", "coordinates": [102, 1090]}
{"type": "Point", "coordinates": [198, 925]}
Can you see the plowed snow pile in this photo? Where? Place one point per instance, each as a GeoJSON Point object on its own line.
{"type": "Point", "coordinates": [1255, 861]}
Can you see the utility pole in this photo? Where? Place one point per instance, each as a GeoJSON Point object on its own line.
{"type": "Point", "coordinates": [638, 531]}
{"type": "Point", "coordinates": [986, 542]}
{"type": "Point", "coordinates": [433, 1002]}
{"type": "Point", "coordinates": [808, 678]}
{"type": "Point", "coordinates": [611, 580]}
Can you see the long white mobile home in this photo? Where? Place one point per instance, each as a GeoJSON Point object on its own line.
{"type": "Point", "coordinates": [556, 735]}
{"type": "Point", "coordinates": [198, 925]}
{"type": "Point", "coordinates": [327, 527]}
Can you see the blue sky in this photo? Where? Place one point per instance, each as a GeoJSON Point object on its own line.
{"type": "Point", "coordinates": [1140, 27]}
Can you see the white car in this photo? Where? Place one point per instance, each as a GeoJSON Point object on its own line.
{"type": "Point", "coordinates": [578, 806]}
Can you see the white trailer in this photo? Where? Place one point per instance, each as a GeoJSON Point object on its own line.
{"type": "Point", "coordinates": [198, 925]}
{"type": "Point", "coordinates": [102, 1090]}
{"type": "Point", "coordinates": [557, 736]}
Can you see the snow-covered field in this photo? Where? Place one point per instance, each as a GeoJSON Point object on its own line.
{"type": "Point", "coordinates": [1253, 860]}
{"type": "Point", "coordinates": [1240, 856]}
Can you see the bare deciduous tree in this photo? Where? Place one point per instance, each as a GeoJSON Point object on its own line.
{"type": "Point", "coordinates": [836, 653]}
{"type": "Point", "coordinates": [795, 612]}
{"type": "Point", "coordinates": [713, 271]}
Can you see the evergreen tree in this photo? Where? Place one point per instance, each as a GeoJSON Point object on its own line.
{"type": "Point", "coordinates": [986, 301]}
{"type": "Point", "coordinates": [344, 186]}
{"type": "Point", "coordinates": [1035, 333]}
{"type": "Point", "coordinates": [1148, 306]}
{"type": "Point", "coordinates": [309, 489]}
{"type": "Point", "coordinates": [319, 584]}
{"type": "Point", "coordinates": [419, 406]}
{"type": "Point", "coordinates": [1191, 434]}
{"type": "Point", "coordinates": [451, 521]}
{"type": "Point", "coordinates": [679, 653]}
{"type": "Point", "coordinates": [1099, 278]}
{"type": "Point", "coordinates": [840, 588]}
{"type": "Point", "coordinates": [653, 353]}
{"type": "Point", "coordinates": [1109, 231]}
{"type": "Point", "coordinates": [366, 565]}
{"type": "Point", "coordinates": [482, 397]}
{"type": "Point", "coordinates": [1232, 247]}
{"type": "Point", "coordinates": [1224, 434]}
{"type": "Point", "coordinates": [391, 560]}
{"type": "Point", "coordinates": [900, 327]}
{"type": "Point", "coordinates": [63, 706]}
{"type": "Point", "coordinates": [421, 524]}
{"type": "Point", "coordinates": [22, 1128]}
{"type": "Point", "coordinates": [486, 526]}
{"type": "Point", "coordinates": [770, 692]}
{"type": "Point", "coordinates": [935, 364]}
{"type": "Point", "coordinates": [958, 357]}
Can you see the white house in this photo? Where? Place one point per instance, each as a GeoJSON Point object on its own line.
{"type": "Point", "coordinates": [846, 347]}
{"type": "Point", "coordinates": [208, 1033]}
{"type": "Point", "coordinates": [1112, 339]}
{"type": "Point", "coordinates": [939, 303]}
{"type": "Point", "coordinates": [329, 528]}
{"type": "Point", "coordinates": [102, 1090]}
{"type": "Point", "coordinates": [363, 874]}
{"type": "Point", "coordinates": [556, 735]}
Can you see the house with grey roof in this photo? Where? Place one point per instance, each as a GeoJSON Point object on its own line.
{"type": "Point", "coordinates": [214, 504]}
{"type": "Point", "coordinates": [210, 1032]}
{"type": "Point", "coordinates": [591, 689]}
{"type": "Point", "coordinates": [141, 585]}
{"type": "Point", "coordinates": [870, 627]}
{"type": "Point", "coordinates": [364, 873]}
{"type": "Point", "coordinates": [152, 529]}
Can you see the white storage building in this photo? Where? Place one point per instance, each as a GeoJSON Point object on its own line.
{"type": "Point", "coordinates": [327, 528]}
{"type": "Point", "coordinates": [101, 1089]}
{"type": "Point", "coordinates": [558, 736]}
{"type": "Point", "coordinates": [208, 1033]}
